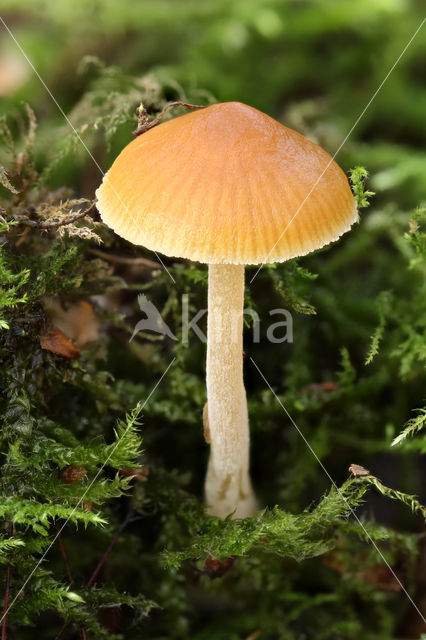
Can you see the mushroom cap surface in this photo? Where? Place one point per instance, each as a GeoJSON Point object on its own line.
{"type": "Point", "coordinates": [226, 185]}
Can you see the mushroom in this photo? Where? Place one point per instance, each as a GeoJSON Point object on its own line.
{"type": "Point", "coordinates": [228, 186]}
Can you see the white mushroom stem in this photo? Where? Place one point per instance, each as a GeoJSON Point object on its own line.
{"type": "Point", "coordinates": [228, 487]}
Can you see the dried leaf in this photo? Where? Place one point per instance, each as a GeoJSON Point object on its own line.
{"type": "Point", "coordinates": [52, 339]}
{"type": "Point", "coordinates": [77, 321]}
{"type": "Point", "coordinates": [217, 568]}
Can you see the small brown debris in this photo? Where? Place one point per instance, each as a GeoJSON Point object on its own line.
{"type": "Point", "coordinates": [52, 339]}
{"type": "Point", "coordinates": [140, 474]}
{"type": "Point", "coordinates": [357, 470]}
{"type": "Point", "coordinates": [72, 474]}
{"type": "Point", "coordinates": [328, 386]}
{"type": "Point", "coordinates": [217, 568]}
{"type": "Point", "coordinates": [88, 506]}
{"type": "Point", "coordinates": [380, 576]}
{"type": "Point", "coordinates": [144, 123]}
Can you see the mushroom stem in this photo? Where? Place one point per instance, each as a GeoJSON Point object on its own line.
{"type": "Point", "coordinates": [228, 487]}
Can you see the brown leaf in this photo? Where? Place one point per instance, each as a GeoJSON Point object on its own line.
{"type": "Point", "coordinates": [52, 339]}
{"type": "Point", "coordinates": [77, 321]}
{"type": "Point", "coordinates": [217, 568]}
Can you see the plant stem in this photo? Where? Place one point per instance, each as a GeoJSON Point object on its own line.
{"type": "Point", "coordinates": [63, 553]}
{"type": "Point", "coordinates": [228, 487]}
{"type": "Point", "coordinates": [95, 573]}
{"type": "Point", "coordinates": [108, 550]}
{"type": "Point", "coordinates": [61, 631]}
{"type": "Point", "coordinates": [122, 260]}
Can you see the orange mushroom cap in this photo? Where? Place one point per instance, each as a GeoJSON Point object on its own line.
{"type": "Point", "coordinates": [226, 184]}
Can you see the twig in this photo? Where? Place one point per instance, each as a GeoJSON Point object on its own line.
{"type": "Point", "coordinates": [64, 626]}
{"type": "Point", "coordinates": [108, 550]}
{"type": "Point", "coordinates": [144, 124]}
{"type": "Point", "coordinates": [56, 223]}
{"type": "Point", "coordinates": [119, 260]}
{"type": "Point", "coordinates": [68, 570]}
{"type": "Point", "coordinates": [61, 631]}
{"type": "Point", "coordinates": [63, 553]}
{"type": "Point", "coordinates": [94, 575]}
{"type": "Point", "coordinates": [70, 578]}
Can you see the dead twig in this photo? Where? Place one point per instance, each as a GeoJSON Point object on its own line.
{"type": "Point", "coordinates": [61, 631]}
{"type": "Point", "coordinates": [108, 550]}
{"type": "Point", "coordinates": [63, 553]}
{"type": "Point", "coordinates": [65, 626]}
{"type": "Point", "coordinates": [95, 573]}
{"type": "Point", "coordinates": [54, 224]}
{"type": "Point", "coordinates": [70, 578]}
{"type": "Point", "coordinates": [120, 260]}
